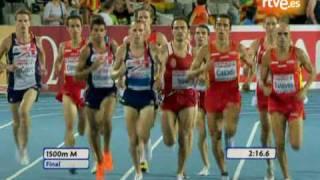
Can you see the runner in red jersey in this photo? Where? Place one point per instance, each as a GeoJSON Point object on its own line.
{"type": "Point", "coordinates": [179, 97]}
{"type": "Point", "coordinates": [201, 38]}
{"type": "Point", "coordinates": [71, 92]}
{"type": "Point", "coordinates": [286, 92]}
{"type": "Point", "coordinates": [222, 99]}
{"type": "Point", "coordinates": [260, 46]}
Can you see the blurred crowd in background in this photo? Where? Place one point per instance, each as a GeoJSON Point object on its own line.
{"type": "Point", "coordinates": [120, 12]}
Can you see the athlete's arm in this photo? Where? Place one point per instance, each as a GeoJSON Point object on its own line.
{"type": "Point", "coordinates": [4, 48]}
{"type": "Point", "coordinates": [244, 56]}
{"type": "Point", "coordinates": [42, 57]}
{"type": "Point", "coordinates": [82, 70]}
{"type": "Point", "coordinates": [114, 46]}
{"type": "Point", "coordinates": [264, 70]}
{"type": "Point", "coordinates": [306, 64]}
{"type": "Point", "coordinates": [162, 41]}
{"type": "Point", "coordinates": [58, 62]}
{"type": "Point", "coordinates": [160, 55]}
{"type": "Point", "coordinates": [202, 57]}
{"type": "Point", "coordinates": [118, 68]}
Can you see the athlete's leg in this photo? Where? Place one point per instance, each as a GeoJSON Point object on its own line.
{"type": "Point", "coordinates": [16, 122]}
{"type": "Point", "coordinates": [169, 127]}
{"type": "Point", "coordinates": [82, 121]}
{"type": "Point", "coordinates": [230, 118]}
{"type": "Point", "coordinates": [296, 133]}
{"type": "Point", "coordinates": [107, 107]}
{"type": "Point", "coordinates": [186, 118]}
{"type": "Point", "coordinates": [278, 123]}
{"type": "Point", "coordinates": [215, 126]}
{"type": "Point", "coordinates": [202, 144]}
{"type": "Point", "coordinates": [24, 111]}
{"type": "Point", "coordinates": [131, 116]}
{"type": "Point", "coordinates": [70, 114]}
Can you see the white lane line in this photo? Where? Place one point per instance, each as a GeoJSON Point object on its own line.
{"type": "Point", "coordinates": [249, 142]}
{"type": "Point", "coordinates": [34, 116]}
{"type": "Point", "coordinates": [127, 174]}
{"type": "Point", "coordinates": [19, 172]}
{"type": "Point", "coordinates": [34, 109]}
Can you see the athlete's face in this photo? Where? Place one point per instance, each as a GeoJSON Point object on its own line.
{"type": "Point", "coordinates": [201, 36]}
{"type": "Point", "coordinates": [22, 23]}
{"type": "Point", "coordinates": [137, 32]}
{"type": "Point", "coordinates": [145, 17]}
{"type": "Point", "coordinates": [222, 28]}
{"type": "Point", "coordinates": [270, 24]}
{"type": "Point", "coordinates": [180, 30]}
{"type": "Point", "coordinates": [283, 36]}
{"type": "Point", "coordinates": [74, 27]}
{"type": "Point", "coordinates": [98, 32]}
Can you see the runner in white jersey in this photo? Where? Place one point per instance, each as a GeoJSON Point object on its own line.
{"type": "Point", "coordinates": [95, 65]}
{"type": "Point", "coordinates": [25, 64]}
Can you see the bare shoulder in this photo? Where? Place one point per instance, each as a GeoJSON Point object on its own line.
{"type": "Point", "coordinates": [6, 43]}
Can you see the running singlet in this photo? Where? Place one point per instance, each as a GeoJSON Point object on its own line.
{"type": "Point", "coordinates": [25, 57]}
{"type": "Point", "coordinates": [286, 75]}
{"type": "Point", "coordinates": [225, 71]}
{"type": "Point", "coordinates": [176, 68]}
{"type": "Point", "coordinates": [140, 71]}
{"type": "Point", "coordinates": [100, 78]}
{"type": "Point", "coordinates": [71, 60]}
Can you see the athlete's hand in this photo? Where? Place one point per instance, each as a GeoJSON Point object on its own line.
{"type": "Point", "coordinates": [190, 75]}
{"type": "Point", "coordinates": [95, 65]}
{"type": "Point", "coordinates": [245, 87]}
{"type": "Point", "coordinates": [266, 90]}
{"type": "Point", "coordinates": [120, 83]}
{"type": "Point", "coordinates": [12, 67]}
{"type": "Point", "coordinates": [43, 70]}
{"type": "Point", "coordinates": [302, 94]}
{"type": "Point", "coordinates": [158, 84]}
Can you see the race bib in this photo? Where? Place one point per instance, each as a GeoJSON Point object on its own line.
{"type": "Point", "coordinates": [24, 76]}
{"type": "Point", "coordinates": [180, 81]}
{"type": "Point", "coordinates": [71, 65]}
{"type": "Point", "coordinates": [101, 77]}
{"type": "Point", "coordinates": [284, 83]}
{"type": "Point", "coordinates": [225, 71]}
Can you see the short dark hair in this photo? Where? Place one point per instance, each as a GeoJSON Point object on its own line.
{"type": "Point", "coordinates": [203, 26]}
{"type": "Point", "coordinates": [201, 2]}
{"type": "Point", "coordinates": [108, 4]}
{"type": "Point", "coordinates": [97, 20]}
{"type": "Point", "coordinates": [223, 16]}
{"type": "Point", "coordinates": [23, 11]}
{"type": "Point", "coordinates": [180, 18]}
{"type": "Point", "coordinates": [74, 16]}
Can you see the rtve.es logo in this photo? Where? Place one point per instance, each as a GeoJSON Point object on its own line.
{"type": "Point", "coordinates": [282, 4]}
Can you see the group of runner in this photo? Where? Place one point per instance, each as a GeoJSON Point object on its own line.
{"type": "Point", "coordinates": [196, 83]}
